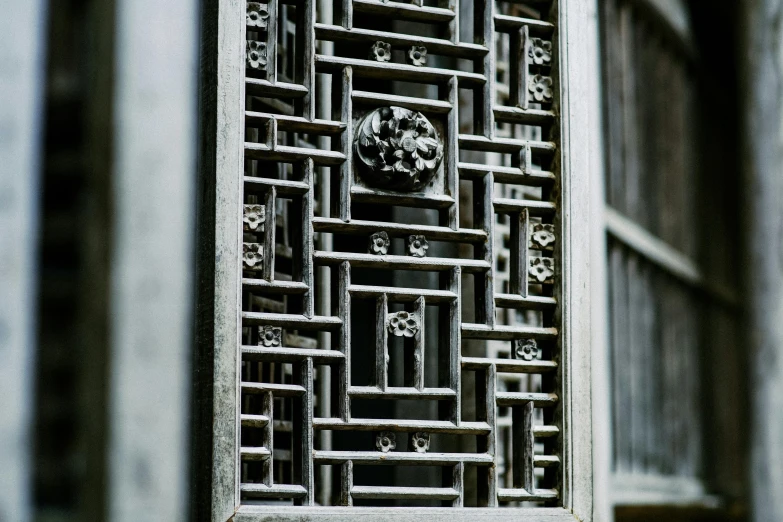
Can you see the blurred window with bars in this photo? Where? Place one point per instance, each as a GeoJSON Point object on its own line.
{"type": "Point", "coordinates": [672, 235]}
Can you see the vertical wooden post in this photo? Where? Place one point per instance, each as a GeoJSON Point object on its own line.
{"type": "Point", "coordinates": [22, 42]}
{"type": "Point", "coordinates": [154, 141]}
{"type": "Point", "coordinates": [600, 359]}
{"type": "Point", "coordinates": [762, 94]}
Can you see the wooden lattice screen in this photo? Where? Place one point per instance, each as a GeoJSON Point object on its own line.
{"type": "Point", "coordinates": [400, 294]}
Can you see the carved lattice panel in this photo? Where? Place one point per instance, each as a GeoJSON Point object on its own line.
{"type": "Point", "coordinates": [350, 118]}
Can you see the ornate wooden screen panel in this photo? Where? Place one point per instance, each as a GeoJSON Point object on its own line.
{"type": "Point", "coordinates": [326, 137]}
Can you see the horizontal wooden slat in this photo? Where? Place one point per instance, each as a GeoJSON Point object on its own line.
{"type": "Point", "coordinates": [546, 461]}
{"type": "Point", "coordinates": [424, 105]}
{"type": "Point", "coordinates": [506, 333]}
{"type": "Point", "coordinates": [505, 23]}
{"type": "Point", "coordinates": [504, 145]}
{"type": "Point", "coordinates": [398, 71]}
{"type": "Point", "coordinates": [520, 495]}
{"type": "Point", "coordinates": [371, 392]}
{"type": "Point", "coordinates": [294, 123]}
{"type": "Point", "coordinates": [280, 390]}
{"type": "Point", "coordinates": [509, 365]}
{"type": "Point", "coordinates": [409, 458]}
{"type": "Point", "coordinates": [284, 513]}
{"type": "Point", "coordinates": [386, 197]}
{"type": "Point", "coordinates": [255, 454]}
{"type": "Point", "coordinates": [254, 421]}
{"type": "Point", "coordinates": [356, 226]}
{"type": "Point", "coordinates": [401, 492]}
{"type": "Point", "coordinates": [520, 398]}
{"type": "Point", "coordinates": [292, 321]}
{"type": "Point", "coordinates": [532, 302]}
{"type": "Point", "coordinates": [257, 87]}
{"type": "Point", "coordinates": [523, 116]}
{"type": "Point", "coordinates": [368, 37]}
{"type": "Point", "coordinates": [283, 187]}
{"type": "Point", "coordinates": [260, 151]}
{"type": "Point", "coordinates": [510, 175]}
{"type": "Point", "coordinates": [546, 431]}
{"type": "Point", "coordinates": [535, 208]}
{"type": "Point", "coordinates": [434, 264]}
{"type": "Point", "coordinates": [276, 491]}
{"type": "Point", "coordinates": [402, 11]}
{"type": "Point", "coordinates": [404, 425]}
{"type": "Point", "coordinates": [402, 295]}
{"type": "Point", "coordinates": [275, 287]}
{"type": "Point", "coordinates": [284, 354]}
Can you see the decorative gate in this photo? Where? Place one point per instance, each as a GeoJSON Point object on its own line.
{"type": "Point", "coordinates": [400, 294]}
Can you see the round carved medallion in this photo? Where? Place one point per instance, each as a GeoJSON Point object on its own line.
{"type": "Point", "coordinates": [397, 149]}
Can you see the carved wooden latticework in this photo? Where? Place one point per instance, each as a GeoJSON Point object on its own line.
{"type": "Point", "coordinates": [350, 120]}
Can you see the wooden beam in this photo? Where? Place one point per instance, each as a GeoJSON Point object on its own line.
{"type": "Point", "coordinates": [762, 113]}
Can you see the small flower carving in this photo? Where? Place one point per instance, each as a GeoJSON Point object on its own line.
{"type": "Point", "coordinates": [417, 246]}
{"type": "Point", "coordinates": [402, 324]}
{"type": "Point", "coordinates": [253, 217]}
{"type": "Point", "coordinates": [257, 15]}
{"type": "Point", "coordinates": [379, 243]}
{"type": "Point", "coordinates": [380, 52]}
{"type": "Point", "coordinates": [542, 269]}
{"type": "Point", "coordinates": [542, 236]}
{"type": "Point", "coordinates": [540, 51]}
{"type": "Point", "coordinates": [420, 442]}
{"type": "Point", "coordinates": [385, 441]}
{"type": "Point", "coordinates": [397, 149]}
{"type": "Point", "coordinates": [541, 88]}
{"type": "Point", "coordinates": [269, 336]}
{"type": "Point", "coordinates": [417, 55]}
{"type": "Point", "coordinates": [252, 255]}
{"type": "Point", "coordinates": [526, 349]}
{"type": "Point", "coordinates": [256, 54]}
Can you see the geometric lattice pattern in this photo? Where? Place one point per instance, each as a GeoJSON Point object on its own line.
{"type": "Point", "coordinates": [350, 118]}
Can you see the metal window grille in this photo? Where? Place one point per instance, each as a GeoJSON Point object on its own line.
{"type": "Point", "coordinates": [401, 256]}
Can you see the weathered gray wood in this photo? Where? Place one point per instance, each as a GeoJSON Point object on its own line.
{"type": "Point", "coordinates": [344, 340]}
{"type": "Point", "coordinates": [563, 410]}
{"type": "Point", "coordinates": [270, 230]}
{"type": "Point", "coordinates": [761, 129]}
{"type": "Point", "coordinates": [523, 447]}
{"type": "Point", "coordinates": [452, 149]}
{"type": "Point", "coordinates": [344, 86]}
{"type": "Point", "coordinates": [152, 266]}
{"type": "Point", "coordinates": [381, 344]}
{"type": "Point", "coordinates": [356, 514]}
{"type": "Point", "coordinates": [576, 72]}
{"type": "Point", "coordinates": [222, 179]}
{"type": "Point", "coordinates": [22, 46]}
{"type": "Point", "coordinates": [346, 475]}
{"type": "Point", "coordinates": [268, 436]}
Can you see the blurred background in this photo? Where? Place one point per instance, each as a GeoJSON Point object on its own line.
{"type": "Point", "coordinates": [99, 206]}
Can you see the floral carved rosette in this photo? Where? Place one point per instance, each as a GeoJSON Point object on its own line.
{"type": "Point", "coordinates": [402, 324]}
{"type": "Point", "coordinates": [397, 149]}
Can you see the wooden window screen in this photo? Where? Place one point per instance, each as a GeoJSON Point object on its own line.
{"type": "Point", "coordinates": [395, 319]}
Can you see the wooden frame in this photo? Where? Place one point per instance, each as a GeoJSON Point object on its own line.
{"type": "Point", "coordinates": [221, 172]}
